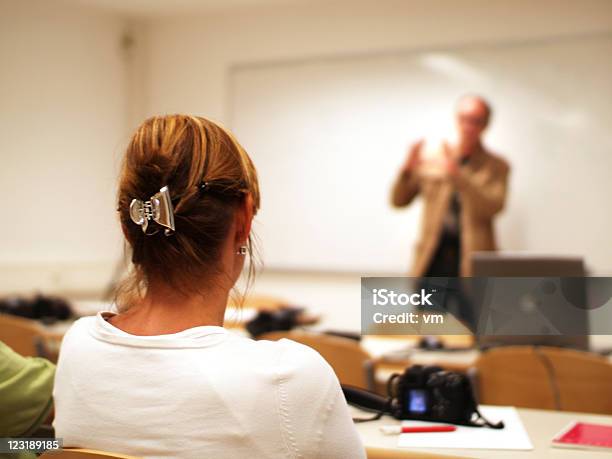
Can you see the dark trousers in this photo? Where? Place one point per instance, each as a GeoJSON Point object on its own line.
{"type": "Point", "coordinates": [445, 263]}
{"type": "Point", "coordinates": [447, 257]}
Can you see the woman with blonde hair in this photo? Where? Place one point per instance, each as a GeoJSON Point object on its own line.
{"type": "Point", "coordinates": [162, 378]}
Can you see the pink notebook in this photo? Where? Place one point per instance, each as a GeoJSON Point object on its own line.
{"type": "Point", "coordinates": [585, 435]}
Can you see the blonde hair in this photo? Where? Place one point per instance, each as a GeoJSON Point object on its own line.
{"type": "Point", "coordinates": [182, 152]}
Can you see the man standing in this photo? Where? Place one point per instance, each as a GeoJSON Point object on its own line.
{"type": "Point", "coordinates": [463, 188]}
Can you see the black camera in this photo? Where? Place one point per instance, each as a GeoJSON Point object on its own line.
{"type": "Point", "coordinates": [429, 393]}
{"type": "Point", "coordinates": [424, 393]}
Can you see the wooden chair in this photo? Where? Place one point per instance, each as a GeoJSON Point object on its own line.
{"type": "Point", "coordinates": [584, 380]}
{"type": "Point", "coordinates": [24, 336]}
{"type": "Point", "coordinates": [78, 453]}
{"type": "Point", "coordinates": [353, 365]}
{"type": "Point", "coordinates": [545, 378]}
{"type": "Point", "coordinates": [513, 375]}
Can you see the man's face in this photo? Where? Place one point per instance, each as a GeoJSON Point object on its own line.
{"type": "Point", "coordinates": [472, 120]}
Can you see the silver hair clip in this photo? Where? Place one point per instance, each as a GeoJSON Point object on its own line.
{"type": "Point", "coordinates": [158, 208]}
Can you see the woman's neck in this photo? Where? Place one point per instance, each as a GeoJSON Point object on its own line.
{"type": "Point", "coordinates": [164, 310]}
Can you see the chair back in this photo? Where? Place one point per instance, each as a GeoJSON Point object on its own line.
{"type": "Point", "coordinates": [24, 336]}
{"type": "Point", "coordinates": [513, 375]}
{"type": "Point", "coordinates": [584, 380]}
{"type": "Point", "coordinates": [545, 378]}
{"type": "Point", "coordinates": [352, 364]}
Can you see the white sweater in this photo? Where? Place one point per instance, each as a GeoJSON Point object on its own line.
{"type": "Point", "coordinates": [202, 392]}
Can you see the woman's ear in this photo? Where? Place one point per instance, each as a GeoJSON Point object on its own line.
{"type": "Point", "coordinates": [244, 218]}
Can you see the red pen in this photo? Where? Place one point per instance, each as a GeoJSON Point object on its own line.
{"type": "Point", "coordinates": [395, 430]}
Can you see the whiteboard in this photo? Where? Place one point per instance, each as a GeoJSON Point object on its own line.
{"type": "Point", "coordinates": [328, 136]}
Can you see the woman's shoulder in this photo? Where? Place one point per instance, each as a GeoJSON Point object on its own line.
{"type": "Point", "coordinates": [288, 349]}
{"type": "Point", "coordinates": [77, 337]}
{"type": "Point", "coordinates": [311, 406]}
{"type": "Point", "coordinates": [306, 355]}
{"type": "Point", "coordinates": [82, 325]}
{"type": "Point", "coordinates": [79, 326]}
{"type": "Point", "coordinates": [298, 362]}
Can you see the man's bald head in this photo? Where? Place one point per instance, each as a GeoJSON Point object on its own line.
{"type": "Point", "coordinates": [473, 114]}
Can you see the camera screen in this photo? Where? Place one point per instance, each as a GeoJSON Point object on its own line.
{"type": "Point", "coordinates": [417, 401]}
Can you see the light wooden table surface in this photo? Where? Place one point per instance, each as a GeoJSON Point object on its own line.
{"type": "Point", "coordinates": [393, 354]}
{"type": "Point", "coordinates": [541, 426]}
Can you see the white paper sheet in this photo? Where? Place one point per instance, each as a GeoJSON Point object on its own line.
{"type": "Point", "coordinates": [513, 436]}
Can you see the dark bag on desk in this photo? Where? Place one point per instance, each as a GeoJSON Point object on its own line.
{"type": "Point", "coordinates": [283, 319]}
{"type": "Point", "coordinates": [47, 309]}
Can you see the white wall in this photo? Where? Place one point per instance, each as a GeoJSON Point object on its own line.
{"type": "Point", "coordinates": [70, 96]}
{"type": "Point", "coordinates": [330, 135]}
{"type": "Point", "coordinates": [63, 98]}
{"type": "Point", "coordinates": [189, 58]}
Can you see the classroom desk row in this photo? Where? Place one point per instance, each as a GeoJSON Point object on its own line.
{"type": "Point", "coordinates": [391, 353]}
{"type": "Point", "coordinates": [541, 426]}
{"type": "Point", "coordinates": [395, 353]}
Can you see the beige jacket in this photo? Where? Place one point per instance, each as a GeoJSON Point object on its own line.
{"type": "Point", "coordinates": [482, 186]}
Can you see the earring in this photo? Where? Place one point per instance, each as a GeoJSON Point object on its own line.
{"type": "Point", "coordinates": [242, 250]}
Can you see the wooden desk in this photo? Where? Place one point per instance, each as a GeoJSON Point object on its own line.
{"type": "Point", "coordinates": [393, 354]}
{"type": "Point", "coordinates": [459, 361]}
{"type": "Point", "coordinates": [541, 425]}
